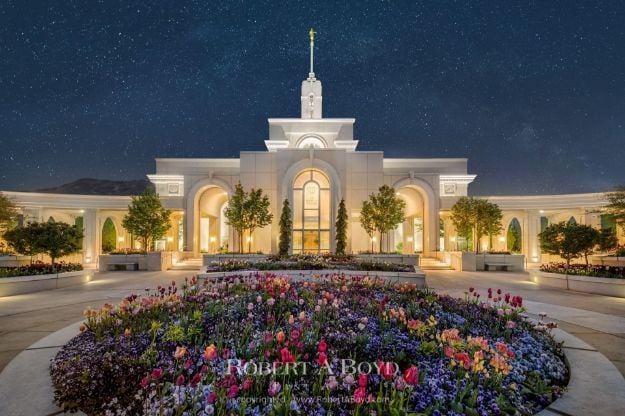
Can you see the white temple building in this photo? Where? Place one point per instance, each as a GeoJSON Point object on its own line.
{"type": "Point", "coordinates": [314, 162]}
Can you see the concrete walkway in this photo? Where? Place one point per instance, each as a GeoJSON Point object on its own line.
{"type": "Point", "coordinates": [24, 319]}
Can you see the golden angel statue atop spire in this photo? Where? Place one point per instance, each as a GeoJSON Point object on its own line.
{"type": "Point", "coordinates": [312, 35]}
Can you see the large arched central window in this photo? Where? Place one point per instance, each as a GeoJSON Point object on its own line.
{"type": "Point", "coordinates": [311, 212]}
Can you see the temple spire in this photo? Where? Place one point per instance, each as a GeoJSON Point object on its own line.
{"type": "Point", "coordinates": [311, 74]}
{"type": "Point", "coordinates": [311, 87]}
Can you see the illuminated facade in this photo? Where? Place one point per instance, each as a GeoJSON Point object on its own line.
{"type": "Point", "coordinates": [314, 163]}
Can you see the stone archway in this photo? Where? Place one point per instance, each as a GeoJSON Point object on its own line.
{"type": "Point", "coordinates": [334, 187]}
{"type": "Point", "coordinates": [219, 192]}
{"type": "Point", "coordinates": [428, 213]}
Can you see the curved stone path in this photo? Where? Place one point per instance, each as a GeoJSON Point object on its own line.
{"type": "Point", "coordinates": [597, 321]}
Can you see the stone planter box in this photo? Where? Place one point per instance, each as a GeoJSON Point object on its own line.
{"type": "Point", "coordinates": [152, 261]}
{"type": "Point", "coordinates": [14, 261]}
{"type": "Point", "coordinates": [418, 276]}
{"type": "Point", "coordinates": [207, 259]}
{"type": "Point", "coordinates": [10, 286]}
{"type": "Point", "coordinates": [411, 259]}
{"type": "Point", "coordinates": [587, 284]}
{"type": "Point", "coordinates": [607, 261]}
{"type": "Point", "coordinates": [470, 262]}
{"type": "Point", "coordinates": [514, 262]}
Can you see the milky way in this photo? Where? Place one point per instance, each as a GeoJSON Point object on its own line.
{"type": "Point", "coordinates": [533, 93]}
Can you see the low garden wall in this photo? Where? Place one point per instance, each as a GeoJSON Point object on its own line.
{"type": "Point", "coordinates": [207, 259]}
{"type": "Point", "coordinates": [14, 261]}
{"type": "Point", "coordinates": [607, 260]}
{"type": "Point", "coordinates": [153, 261]}
{"type": "Point", "coordinates": [587, 284]}
{"type": "Point", "coordinates": [417, 276]}
{"type": "Point", "coordinates": [412, 259]}
{"type": "Point", "coordinates": [10, 286]}
{"type": "Point", "coordinates": [470, 262]}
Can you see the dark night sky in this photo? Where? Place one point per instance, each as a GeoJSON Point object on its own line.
{"type": "Point", "coordinates": [532, 92]}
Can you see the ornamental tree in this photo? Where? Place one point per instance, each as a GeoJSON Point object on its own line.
{"type": "Point", "coordinates": [616, 205]}
{"type": "Point", "coordinates": [385, 211]}
{"type": "Point", "coordinates": [607, 240]}
{"type": "Point", "coordinates": [24, 240]}
{"type": "Point", "coordinates": [8, 213]}
{"type": "Point", "coordinates": [286, 224]}
{"type": "Point", "coordinates": [56, 239]}
{"type": "Point", "coordinates": [341, 229]}
{"type": "Point", "coordinates": [235, 212]}
{"type": "Point", "coordinates": [256, 213]}
{"type": "Point", "coordinates": [146, 218]}
{"type": "Point", "coordinates": [569, 241]}
{"type": "Point", "coordinates": [474, 217]}
{"type": "Point", "coordinates": [366, 220]}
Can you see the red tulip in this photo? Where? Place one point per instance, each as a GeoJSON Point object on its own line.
{"type": "Point", "coordinates": [359, 395]}
{"type": "Point", "coordinates": [286, 355]}
{"type": "Point", "coordinates": [362, 380]}
{"type": "Point", "coordinates": [387, 369]}
{"type": "Point", "coordinates": [411, 375]}
{"type": "Point", "coordinates": [323, 358]}
{"type": "Point", "coordinates": [196, 379]}
{"type": "Point", "coordinates": [157, 373]}
{"type": "Point", "coordinates": [322, 347]}
{"type": "Point", "coordinates": [180, 380]}
{"type": "Point", "coordinates": [233, 391]}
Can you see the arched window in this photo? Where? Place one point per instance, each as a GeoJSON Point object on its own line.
{"type": "Point", "coordinates": [109, 236]}
{"type": "Point", "coordinates": [572, 221]}
{"type": "Point", "coordinates": [311, 213]}
{"type": "Point", "coordinates": [514, 237]}
{"type": "Point", "coordinates": [313, 142]}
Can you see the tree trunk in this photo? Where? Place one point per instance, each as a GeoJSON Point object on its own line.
{"type": "Point", "coordinates": [381, 236]}
{"type": "Point", "coordinates": [249, 243]}
{"type": "Point", "coordinates": [476, 242]}
{"type": "Point", "coordinates": [586, 258]}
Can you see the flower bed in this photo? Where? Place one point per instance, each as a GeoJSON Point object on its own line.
{"type": "Point", "coordinates": [306, 262]}
{"type": "Point", "coordinates": [611, 272]}
{"type": "Point", "coordinates": [266, 345]}
{"type": "Point", "coordinates": [39, 268]}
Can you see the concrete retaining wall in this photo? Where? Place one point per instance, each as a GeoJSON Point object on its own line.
{"type": "Point", "coordinates": [14, 261]}
{"type": "Point", "coordinates": [10, 286]}
{"type": "Point", "coordinates": [587, 284]}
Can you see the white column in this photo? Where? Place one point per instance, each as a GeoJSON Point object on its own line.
{"type": "Point", "coordinates": [533, 229]}
{"type": "Point", "coordinates": [91, 246]}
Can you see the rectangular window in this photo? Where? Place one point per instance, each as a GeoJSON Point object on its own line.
{"type": "Point", "coordinates": [325, 240]}
{"type": "Point", "coordinates": [311, 219]}
{"type": "Point", "coordinates": [297, 240]}
{"type": "Point", "coordinates": [298, 223]}
{"type": "Point", "coordinates": [324, 218]}
{"type": "Point", "coordinates": [311, 241]}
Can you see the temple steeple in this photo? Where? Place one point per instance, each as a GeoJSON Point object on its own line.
{"type": "Point", "coordinates": [311, 87]}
